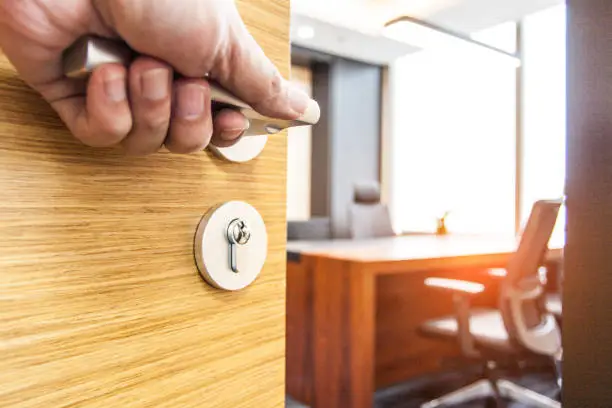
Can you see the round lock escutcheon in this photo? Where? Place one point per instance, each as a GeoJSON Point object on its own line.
{"type": "Point", "coordinates": [246, 149]}
{"type": "Point", "coordinates": [231, 245]}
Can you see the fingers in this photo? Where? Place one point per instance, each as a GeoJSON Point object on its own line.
{"type": "Point", "coordinates": [152, 95]}
{"type": "Point", "coordinates": [150, 85]}
{"type": "Point", "coordinates": [102, 118]}
{"type": "Point", "coordinates": [142, 109]}
{"type": "Point", "coordinates": [229, 126]}
{"type": "Point", "coordinates": [191, 126]}
{"type": "Point", "coordinates": [212, 40]}
{"type": "Point", "coordinates": [108, 109]}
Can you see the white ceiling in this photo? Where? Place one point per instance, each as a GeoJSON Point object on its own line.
{"type": "Point", "coordinates": [351, 28]}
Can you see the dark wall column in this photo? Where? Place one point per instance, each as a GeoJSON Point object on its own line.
{"type": "Point", "coordinates": [320, 199]}
{"type": "Point", "coordinates": [346, 144]}
{"type": "Point", "coordinates": [355, 136]}
{"type": "Point", "coordinates": [587, 307]}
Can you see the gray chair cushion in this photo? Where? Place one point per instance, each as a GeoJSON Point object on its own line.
{"type": "Point", "coordinates": [554, 305]}
{"type": "Point", "coordinates": [370, 221]}
{"type": "Point", "coordinates": [486, 326]}
{"type": "Point", "coordinates": [315, 229]}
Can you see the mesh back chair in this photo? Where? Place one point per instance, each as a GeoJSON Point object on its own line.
{"type": "Point", "coordinates": [554, 305]}
{"type": "Point", "coordinates": [369, 218]}
{"type": "Point", "coordinates": [520, 329]}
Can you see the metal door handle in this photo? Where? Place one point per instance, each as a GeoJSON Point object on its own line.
{"type": "Point", "coordinates": [90, 52]}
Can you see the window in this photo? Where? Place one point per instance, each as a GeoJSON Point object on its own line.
{"type": "Point", "coordinates": [454, 138]}
{"type": "Point", "coordinates": [543, 158]}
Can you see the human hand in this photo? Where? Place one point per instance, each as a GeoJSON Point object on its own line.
{"type": "Point", "coordinates": [142, 107]}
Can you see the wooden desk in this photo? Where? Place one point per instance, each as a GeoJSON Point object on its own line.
{"type": "Point", "coordinates": [353, 308]}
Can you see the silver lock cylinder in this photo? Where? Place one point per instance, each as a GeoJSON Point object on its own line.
{"type": "Point", "coordinates": [238, 233]}
{"type": "Point", "coordinates": [231, 245]}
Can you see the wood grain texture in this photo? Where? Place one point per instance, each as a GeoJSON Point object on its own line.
{"type": "Point", "coordinates": [342, 336]}
{"type": "Point", "coordinates": [299, 357]}
{"type": "Point", "coordinates": [100, 301]}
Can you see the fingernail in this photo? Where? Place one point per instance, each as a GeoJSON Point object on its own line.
{"type": "Point", "coordinates": [155, 84]}
{"type": "Point", "coordinates": [233, 134]}
{"type": "Point", "coordinates": [190, 101]}
{"type": "Point", "coordinates": [114, 86]}
{"type": "Point", "coordinates": [298, 99]}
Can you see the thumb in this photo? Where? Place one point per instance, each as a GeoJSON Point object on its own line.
{"type": "Point", "coordinates": [208, 37]}
{"type": "Point", "coordinates": [245, 70]}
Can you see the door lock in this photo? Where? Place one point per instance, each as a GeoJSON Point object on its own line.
{"type": "Point", "coordinates": [231, 245]}
{"type": "Point", "coordinates": [238, 233]}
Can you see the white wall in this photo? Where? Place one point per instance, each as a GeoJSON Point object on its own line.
{"type": "Point", "coordinates": [299, 152]}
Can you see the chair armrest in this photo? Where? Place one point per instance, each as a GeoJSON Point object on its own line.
{"type": "Point", "coordinates": [502, 272]}
{"type": "Point", "coordinates": [461, 291]}
{"type": "Point", "coordinates": [455, 285]}
{"type": "Point", "coordinates": [497, 272]}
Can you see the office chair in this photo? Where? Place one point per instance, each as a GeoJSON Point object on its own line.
{"type": "Point", "coordinates": [554, 305]}
{"type": "Point", "coordinates": [553, 302]}
{"type": "Point", "coordinates": [519, 330]}
{"type": "Point", "coordinates": [369, 218]}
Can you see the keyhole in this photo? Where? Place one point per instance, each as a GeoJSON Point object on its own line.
{"type": "Point", "coordinates": [238, 233]}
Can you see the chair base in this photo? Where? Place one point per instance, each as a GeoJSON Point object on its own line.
{"type": "Point", "coordinates": [487, 389]}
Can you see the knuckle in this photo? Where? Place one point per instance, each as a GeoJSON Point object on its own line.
{"type": "Point", "coordinates": [154, 122]}
{"type": "Point", "coordinates": [113, 133]}
{"type": "Point", "coordinates": [188, 145]}
{"type": "Point", "coordinates": [275, 93]}
{"type": "Point", "coordinates": [276, 83]}
{"type": "Point", "coordinates": [275, 87]}
{"type": "Point", "coordinates": [104, 136]}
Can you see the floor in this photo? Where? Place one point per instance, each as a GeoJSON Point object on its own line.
{"type": "Point", "coordinates": [415, 392]}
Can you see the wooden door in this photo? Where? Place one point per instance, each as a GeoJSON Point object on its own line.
{"type": "Point", "coordinates": [101, 304]}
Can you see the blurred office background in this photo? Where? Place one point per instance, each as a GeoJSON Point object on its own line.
{"type": "Point", "coordinates": [441, 131]}
{"type": "Point", "coordinates": [437, 127]}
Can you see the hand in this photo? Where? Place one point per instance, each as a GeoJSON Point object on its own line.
{"type": "Point", "coordinates": [142, 107]}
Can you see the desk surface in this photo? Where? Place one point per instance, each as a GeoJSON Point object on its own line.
{"type": "Point", "coordinates": [415, 247]}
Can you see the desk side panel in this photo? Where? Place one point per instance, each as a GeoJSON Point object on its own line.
{"type": "Point", "coordinates": [299, 346]}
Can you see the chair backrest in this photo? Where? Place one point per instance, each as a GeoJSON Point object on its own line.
{"type": "Point", "coordinates": [521, 298]}
{"type": "Point", "coordinates": [314, 229]}
{"type": "Point", "coordinates": [368, 217]}
{"type": "Point", "coordinates": [525, 263]}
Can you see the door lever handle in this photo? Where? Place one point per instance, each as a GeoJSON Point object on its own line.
{"type": "Point", "coordinates": [90, 52]}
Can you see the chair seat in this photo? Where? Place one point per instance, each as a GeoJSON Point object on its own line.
{"type": "Point", "coordinates": [486, 326]}
{"type": "Point", "coordinates": [554, 305]}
